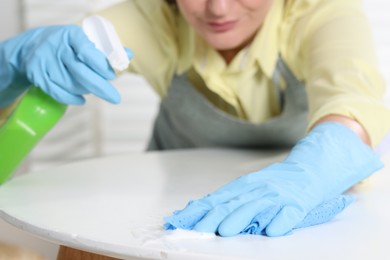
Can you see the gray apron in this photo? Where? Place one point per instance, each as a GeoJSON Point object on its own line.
{"type": "Point", "coordinates": [187, 119]}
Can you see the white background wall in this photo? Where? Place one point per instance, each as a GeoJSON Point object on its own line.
{"type": "Point", "coordinates": [11, 18]}
{"type": "Point", "coordinates": [378, 13]}
{"type": "Point", "coordinates": [101, 128]}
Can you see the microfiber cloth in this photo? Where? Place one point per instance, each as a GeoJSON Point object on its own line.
{"type": "Point", "coordinates": [321, 214]}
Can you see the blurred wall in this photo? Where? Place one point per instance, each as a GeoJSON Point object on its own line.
{"type": "Point", "coordinates": [11, 13]}
{"type": "Point", "coordinates": [378, 14]}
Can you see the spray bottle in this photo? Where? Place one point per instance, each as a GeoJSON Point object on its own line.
{"type": "Point", "coordinates": [37, 112]}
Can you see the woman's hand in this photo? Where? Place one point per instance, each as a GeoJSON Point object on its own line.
{"type": "Point", "coordinates": [60, 60]}
{"type": "Point", "coordinates": [323, 165]}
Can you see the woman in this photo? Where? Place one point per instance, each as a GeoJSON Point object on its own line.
{"type": "Point", "coordinates": [260, 73]}
{"type": "Point", "coordinates": [235, 73]}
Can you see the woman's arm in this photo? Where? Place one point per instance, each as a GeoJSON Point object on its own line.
{"type": "Point", "coordinates": [149, 29]}
{"type": "Point", "coordinates": [343, 80]}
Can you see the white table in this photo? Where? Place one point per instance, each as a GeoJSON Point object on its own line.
{"type": "Point", "coordinates": [114, 206]}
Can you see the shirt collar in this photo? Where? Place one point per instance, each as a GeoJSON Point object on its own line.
{"type": "Point", "coordinates": [186, 45]}
{"type": "Point", "coordinates": [265, 46]}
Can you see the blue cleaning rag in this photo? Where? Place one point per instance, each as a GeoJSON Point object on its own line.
{"type": "Point", "coordinates": [321, 214]}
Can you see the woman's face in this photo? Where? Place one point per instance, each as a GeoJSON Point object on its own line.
{"type": "Point", "coordinates": [225, 24]}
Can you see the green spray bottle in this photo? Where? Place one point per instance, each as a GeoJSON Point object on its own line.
{"type": "Point", "coordinates": [34, 116]}
{"type": "Point", "coordinates": [37, 113]}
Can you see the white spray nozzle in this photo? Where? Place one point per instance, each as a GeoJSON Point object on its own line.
{"type": "Point", "coordinates": [102, 33]}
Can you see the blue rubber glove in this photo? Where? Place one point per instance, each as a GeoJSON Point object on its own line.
{"type": "Point", "coordinates": [321, 166]}
{"type": "Point", "coordinates": [60, 60]}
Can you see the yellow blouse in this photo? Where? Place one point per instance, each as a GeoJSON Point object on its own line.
{"type": "Point", "coordinates": [327, 44]}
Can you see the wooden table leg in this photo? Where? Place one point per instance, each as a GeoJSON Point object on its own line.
{"type": "Point", "coordinates": [67, 253]}
{"type": "Point", "coordinates": [15, 252]}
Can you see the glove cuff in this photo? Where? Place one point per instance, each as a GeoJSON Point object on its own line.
{"type": "Point", "coordinates": [334, 151]}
